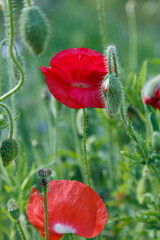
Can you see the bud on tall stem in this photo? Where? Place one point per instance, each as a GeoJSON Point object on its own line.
{"type": "Point", "coordinates": [45, 175]}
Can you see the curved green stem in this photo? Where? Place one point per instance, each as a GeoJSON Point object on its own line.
{"type": "Point", "coordinates": [10, 119]}
{"type": "Point", "coordinates": [21, 230]}
{"type": "Point", "coordinates": [84, 148]}
{"type": "Point", "coordinates": [102, 24]}
{"type": "Point", "coordinates": [16, 88]}
{"type": "Point", "coordinates": [46, 212]}
{"type": "Point", "coordinates": [1, 45]}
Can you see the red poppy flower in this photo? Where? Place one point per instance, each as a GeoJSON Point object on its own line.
{"type": "Point", "coordinates": [73, 207]}
{"type": "Point", "coordinates": [151, 92]}
{"type": "Point", "coordinates": [75, 76]}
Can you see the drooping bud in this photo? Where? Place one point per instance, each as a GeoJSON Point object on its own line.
{"type": "Point", "coordinates": [9, 151]}
{"type": "Point", "coordinates": [151, 92]}
{"type": "Point", "coordinates": [14, 211]}
{"type": "Point", "coordinates": [156, 141]}
{"type": "Point", "coordinates": [45, 176]}
{"type": "Point", "coordinates": [112, 93]}
{"type": "Point", "coordinates": [34, 29]}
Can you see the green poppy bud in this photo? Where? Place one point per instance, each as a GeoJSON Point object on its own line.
{"type": "Point", "coordinates": [14, 211]}
{"type": "Point", "coordinates": [112, 93]}
{"type": "Point", "coordinates": [34, 29]}
{"type": "Point", "coordinates": [9, 151]}
{"type": "Point", "coordinates": [156, 141]}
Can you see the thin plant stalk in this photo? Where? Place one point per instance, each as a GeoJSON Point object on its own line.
{"type": "Point", "coordinates": [132, 28]}
{"type": "Point", "coordinates": [21, 230]}
{"type": "Point", "coordinates": [77, 143]}
{"type": "Point", "coordinates": [46, 212]}
{"type": "Point", "coordinates": [133, 135]}
{"type": "Point", "coordinates": [84, 148]}
{"type": "Point", "coordinates": [10, 119]}
{"type": "Point", "coordinates": [102, 22]}
{"type": "Point", "coordinates": [20, 83]}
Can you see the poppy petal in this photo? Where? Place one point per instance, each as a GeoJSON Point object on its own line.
{"type": "Point", "coordinates": [81, 95]}
{"type": "Point", "coordinates": [81, 68]}
{"type": "Point", "coordinates": [86, 51]}
{"type": "Point", "coordinates": [73, 207]}
{"type": "Point", "coordinates": [58, 88]}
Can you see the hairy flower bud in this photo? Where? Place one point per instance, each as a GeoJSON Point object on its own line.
{"type": "Point", "coordinates": [156, 141]}
{"type": "Point", "coordinates": [112, 93]}
{"type": "Point", "coordinates": [34, 29]}
{"type": "Point", "coordinates": [151, 92]}
{"type": "Point", "coordinates": [14, 211]}
{"type": "Point", "coordinates": [9, 151]}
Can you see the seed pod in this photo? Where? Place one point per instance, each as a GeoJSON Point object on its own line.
{"type": "Point", "coordinates": [45, 176]}
{"type": "Point", "coordinates": [112, 93]}
{"type": "Point", "coordinates": [156, 141]}
{"type": "Point", "coordinates": [9, 151]}
{"type": "Point", "coordinates": [14, 211]}
{"type": "Point", "coordinates": [34, 29]}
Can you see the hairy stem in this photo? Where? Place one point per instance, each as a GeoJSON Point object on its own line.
{"type": "Point", "coordinates": [17, 87]}
{"type": "Point", "coordinates": [132, 134]}
{"type": "Point", "coordinates": [10, 119]}
{"type": "Point", "coordinates": [84, 148]}
{"type": "Point", "coordinates": [21, 230]}
{"type": "Point", "coordinates": [46, 212]}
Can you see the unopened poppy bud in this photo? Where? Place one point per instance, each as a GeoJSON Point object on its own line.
{"type": "Point", "coordinates": [156, 141]}
{"type": "Point", "coordinates": [45, 176]}
{"type": "Point", "coordinates": [112, 94]}
{"type": "Point", "coordinates": [151, 92]}
{"type": "Point", "coordinates": [14, 211]}
{"type": "Point", "coordinates": [9, 151]}
{"type": "Point", "coordinates": [34, 29]}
